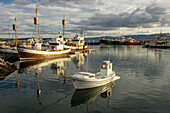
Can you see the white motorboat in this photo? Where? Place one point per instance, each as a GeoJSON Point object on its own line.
{"type": "Point", "coordinates": [85, 80]}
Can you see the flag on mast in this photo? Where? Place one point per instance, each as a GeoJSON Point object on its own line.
{"type": "Point", "coordinates": [15, 19]}
{"type": "Point", "coordinates": [36, 11]}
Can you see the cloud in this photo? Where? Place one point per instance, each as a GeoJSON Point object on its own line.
{"type": "Point", "coordinates": [65, 2]}
{"type": "Point", "coordinates": [93, 16]}
{"type": "Point", "coordinates": [147, 18]}
{"type": "Point", "coordinates": [22, 2]}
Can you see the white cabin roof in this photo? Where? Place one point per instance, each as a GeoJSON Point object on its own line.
{"type": "Point", "coordinates": [106, 62]}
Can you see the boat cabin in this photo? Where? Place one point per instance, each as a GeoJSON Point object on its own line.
{"type": "Point", "coordinates": [57, 44]}
{"type": "Point", "coordinates": [3, 44]}
{"type": "Point", "coordinates": [78, 40]}
{"type": "Point", "coordinates": [130, 39]}
{"type": "Point", "coordinates": [106, 68]}
{"type": "Point", "coordinates": [38, 45]}
{"type": "Point", "coordinates": [121, 38]}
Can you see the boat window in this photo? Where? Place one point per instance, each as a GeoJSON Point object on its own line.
{"type": "Point", "coordinates": [54, 43]}
{"type": "Point", "coordinates": [109, 66]}
{"type": "Point", "coordinates": [103, 66]}
{"type": "Point", "coordinates": [75, 40]}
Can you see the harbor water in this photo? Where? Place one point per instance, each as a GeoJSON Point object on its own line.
{"type": "Point", "coordinates": [45, 86]}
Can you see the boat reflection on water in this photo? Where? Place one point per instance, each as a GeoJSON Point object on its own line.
{"type": "Point", "coordinates": [78, 59]}
{"type": "Point", "coordinates": [89, 95]}
{"type": "Point", "coordinates": [6, 68]}
{"type": "Point", "coordinates": [56, 65]}
{"type": "Point", "coordinates": [59, 69]}
{"type": "Point", "coordinates": [26, 66]}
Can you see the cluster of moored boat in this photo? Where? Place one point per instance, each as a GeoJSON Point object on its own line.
{"type": "Point", "coordinates": [34, 48]}
{"type": "Point", "coordinates": [58, 47]}
{"type": "Point", "coordinates": [160, 42]}
{"type": "Point", "coordinates": [121, 41]}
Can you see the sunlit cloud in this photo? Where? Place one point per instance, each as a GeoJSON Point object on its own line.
{"type": "Point", "coordinates": [95, 17]}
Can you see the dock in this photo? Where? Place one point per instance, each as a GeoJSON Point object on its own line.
{"type": "Point", "coordinates": [83, 51]}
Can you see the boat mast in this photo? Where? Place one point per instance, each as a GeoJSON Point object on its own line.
{"type": "Point", "coordinates": [15, 29]}
{"type": "Point", "coordinates": [39, 29]}
{"type": "Point", "coordinates": [8, 32]}
{"type": "Point", "coordinates": [36, 21]}
{"type": "Point", "coordinates": [63, 22]}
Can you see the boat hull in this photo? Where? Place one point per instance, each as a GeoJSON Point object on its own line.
{"type": "Point", "coordinates": [105, 41]}
{"type": "Point", "coordinates": [158, 46]}
{"type": "Point", "coordinates": [118, 43]}
{"type": "Point", "coordinates": [133, 43]}
{"type": "Point", "coordinates": [75, 47]}
{"type": "Point", "coordinates": [92, 83]}
{"type": "Point", "coordinates": [112, 42]}
{"type": "Point", "coordinates": [25, 53]}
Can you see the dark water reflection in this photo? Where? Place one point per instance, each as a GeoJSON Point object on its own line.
{"type": "Point", "coordinates": [45, 86]}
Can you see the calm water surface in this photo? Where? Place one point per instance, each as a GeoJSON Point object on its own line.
{"type": "Point", "coordinates": [46, 86]}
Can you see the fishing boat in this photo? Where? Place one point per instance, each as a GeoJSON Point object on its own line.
{"type": "Point", "coordinates": [115, 41]}
{"type": "Point", "coordinates": [164, 45]}
{"type": "Point", "coordinates": [9, 48]}
{"type": "Point", "coordinates": [131, 41]}
{"type": "Point", "coordinates": [3, 45]}
{"type": "Point", "coordinates": [85, 80]}
{"type": "Point", "coordinates": [160, 42]}
{"type": "Point", "coordinates": [56, 48]}
{"type": "Point", "coordinates": [106, 41]}
{"type": "Point", "coordinates": [77, 43]}
{"type": "Point", "coordinates": [9, 51]}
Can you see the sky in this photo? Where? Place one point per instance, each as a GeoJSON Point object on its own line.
{"type": "Point", "coordinates": [95, 17]}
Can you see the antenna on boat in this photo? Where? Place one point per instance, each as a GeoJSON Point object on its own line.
{"type": "Point", "coordinates": [39, 29]}
{"type": "Point", "coordinates": [8, 32]}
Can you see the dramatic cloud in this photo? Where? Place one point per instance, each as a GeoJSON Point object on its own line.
{"type": "Point", "coordinates": [94, 16]}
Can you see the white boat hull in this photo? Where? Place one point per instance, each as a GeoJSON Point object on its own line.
{"type": "Point", "coordinates": [81, 83]}
{"type": "Point", "coordinates": [25, 53]}
{"type": "Point", "coordinates": [75, 47]}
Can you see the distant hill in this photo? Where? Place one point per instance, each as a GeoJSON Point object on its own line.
{"type": "Point", "coordinates": [136, 37]}
{"type": "Point", "coordinates": [97, 39]}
